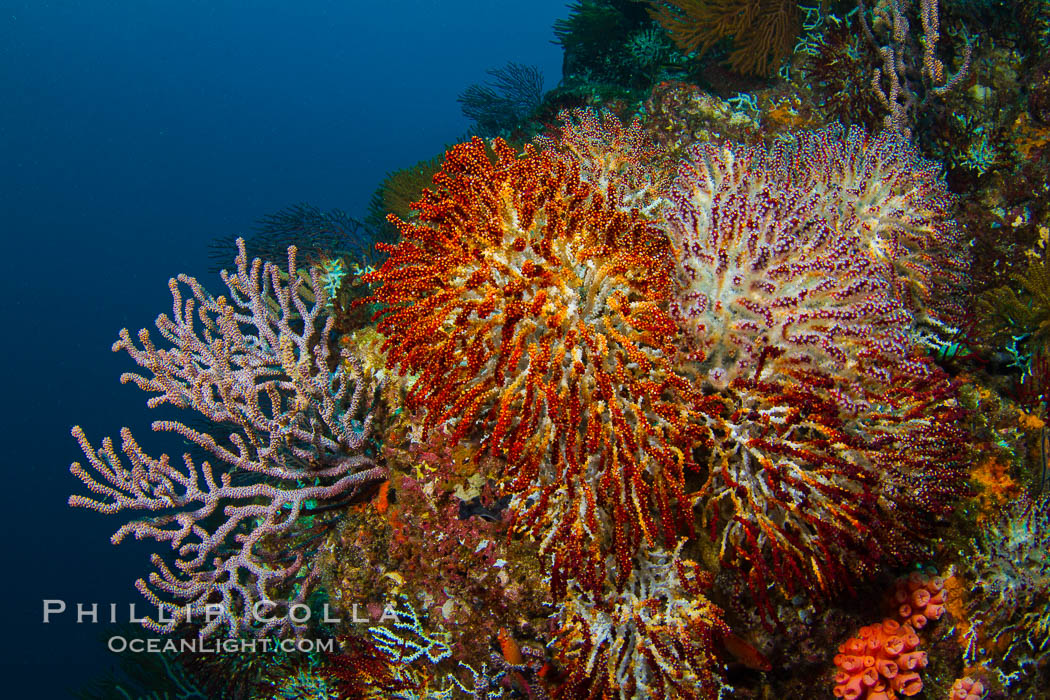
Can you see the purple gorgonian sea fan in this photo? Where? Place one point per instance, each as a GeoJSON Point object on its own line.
{"type": "Point", "coordinates": [289, 416]}
{"type": "Point", "coordinates": [898, 204]}
{"type": "Point", "coordinates": [804, 284]}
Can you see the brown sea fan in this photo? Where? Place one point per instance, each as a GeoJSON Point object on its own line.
{"type": "Point", "coordinates": [763, 31]}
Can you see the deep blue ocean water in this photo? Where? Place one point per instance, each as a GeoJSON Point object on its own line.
{"type": "Point", "coordinates": [133, 133]}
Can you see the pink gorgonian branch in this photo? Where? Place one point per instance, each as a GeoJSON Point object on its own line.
{"type": "Point", "coordinates": [291, 419]}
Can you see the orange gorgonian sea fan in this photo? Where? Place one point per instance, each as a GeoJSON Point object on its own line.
{"type": "Point", "coordinates": [529, 304]}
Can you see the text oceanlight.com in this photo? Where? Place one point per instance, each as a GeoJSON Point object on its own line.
{"type": "Point", "coordinates": [119, 645]}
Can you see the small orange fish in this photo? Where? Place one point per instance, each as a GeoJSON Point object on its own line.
{"type": "Point", "coordinates": [511, 650]}
{"type": "Point", "coordinates": [512, 655]}
{"type": "Point", "coordinates": [745, 653]}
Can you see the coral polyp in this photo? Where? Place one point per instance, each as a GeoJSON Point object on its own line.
{"type": "Point", "coordinates": [881, 661]}
{"type": "Point", "coordinates": [531, 307]}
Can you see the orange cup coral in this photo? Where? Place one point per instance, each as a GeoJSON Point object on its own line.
{"type": "Point", "coordinates": [919, 598]}
{"type": "Point", "coordinates": [880, 662]}
{"type": "Point", "coordinates": [966, 689]}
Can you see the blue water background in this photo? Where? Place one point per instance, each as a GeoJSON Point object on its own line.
{"type": "Point", "coordinates": [133, 133]}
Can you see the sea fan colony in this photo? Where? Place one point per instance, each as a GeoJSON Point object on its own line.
{"type": "Point", "coordinates": [637, 346]}
{"type": "Point", "coordinates": [748, 328]}
{"type": "Point", "coordinates": [898, 203]}
{"type": "Point", "coordinates": [263, 367]}
{"type": "Point", "coordinates": [763, 31]}
{"type": "Point", "coordinates": [790, 290]}
{"type": "Point", "coordinates": [848, 235]}
{"type": "Point", "coordinates": [618, 160]}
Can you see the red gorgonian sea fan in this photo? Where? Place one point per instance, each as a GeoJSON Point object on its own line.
{"type": "Point", "coordinates": [839, 440]}
{"type": "Point", "coordinates": [530, 305]}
